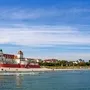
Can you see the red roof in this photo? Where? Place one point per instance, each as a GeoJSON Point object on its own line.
{"type": "Point", "coordinates": [50, 60]}
{"type": "Point", "coordinates": [8, 56]}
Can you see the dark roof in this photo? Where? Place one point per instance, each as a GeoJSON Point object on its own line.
{"type": "Point", "coordinates": [0, 50]}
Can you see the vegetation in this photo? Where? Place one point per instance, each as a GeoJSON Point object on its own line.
{"type": "Point", "coordinates": [65, 64]}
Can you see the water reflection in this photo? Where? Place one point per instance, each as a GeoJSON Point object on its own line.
{"type": "Point", "coordinates": [18, 80]}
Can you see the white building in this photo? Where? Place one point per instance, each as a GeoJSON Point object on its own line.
{"type": "Point", "coordinates": [12, 59]}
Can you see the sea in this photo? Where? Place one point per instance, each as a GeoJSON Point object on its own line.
{"type": "Point", "coordinates": [55, 80]}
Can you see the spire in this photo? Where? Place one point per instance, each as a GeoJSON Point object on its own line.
{"type": "Point", "coordinates": [20, 52]}
{"type": "Point", "coordinates": [0, 50]}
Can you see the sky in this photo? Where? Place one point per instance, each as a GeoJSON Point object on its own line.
{"type": "Point", "coordinates": [46, 28]}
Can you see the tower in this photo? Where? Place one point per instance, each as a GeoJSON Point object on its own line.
{"type": "Point", "coordinates": [20, 55]}
{"type": "Point", "coordinates": [1, 52]}
{"type": "Point", "coordinates": [2, 59]}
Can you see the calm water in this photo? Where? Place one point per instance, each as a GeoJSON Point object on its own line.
{"type": "Point", "coordinates": [61, 80]}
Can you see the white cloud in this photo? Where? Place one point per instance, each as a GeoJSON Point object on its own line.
{"type": "Point", "coordinates": [36, 36]}
{"type": "Point", "coordinates": [43, 36]}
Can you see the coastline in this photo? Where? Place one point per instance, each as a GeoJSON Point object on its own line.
{"type": "Point", "coordinates": [37, 69]}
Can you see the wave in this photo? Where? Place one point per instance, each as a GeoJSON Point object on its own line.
{"type": "Point", "coordinates": [21, 73]}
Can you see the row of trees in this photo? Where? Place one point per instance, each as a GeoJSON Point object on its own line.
{"type": "Point", "coordinates": [80, 62]}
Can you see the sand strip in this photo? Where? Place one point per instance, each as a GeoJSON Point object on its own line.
{"type": "Point", "coordinates": [35, 69]}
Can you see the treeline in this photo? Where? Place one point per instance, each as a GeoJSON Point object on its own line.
{"type": "Point", "coordinates": [65, 63]}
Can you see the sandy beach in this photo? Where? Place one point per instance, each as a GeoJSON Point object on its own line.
{"type": "Point", "coordinates": [25, 69]}
{"type": "Point", "coordinates": [35, 69]}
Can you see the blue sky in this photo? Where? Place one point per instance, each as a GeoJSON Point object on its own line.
{"type": "Point", "coordinates": [46, 28]}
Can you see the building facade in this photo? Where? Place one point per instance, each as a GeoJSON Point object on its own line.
{"type": "Point", "coordinates": [15, 60]}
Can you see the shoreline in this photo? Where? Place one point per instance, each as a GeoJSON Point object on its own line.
{"type": "Point", "coordinates": [37, 69]}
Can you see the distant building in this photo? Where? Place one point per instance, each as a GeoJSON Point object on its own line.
{"type": "Point", "coordinates": [14, 59]}
{"type": "Point", "coordinates": [75, 62]}
{"type": "Point", "coordinates": [50, 61]}
{"type": "Point", "coordinates": [34, 60]}
{"type": "Point", "coordinates": [10, 59]}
